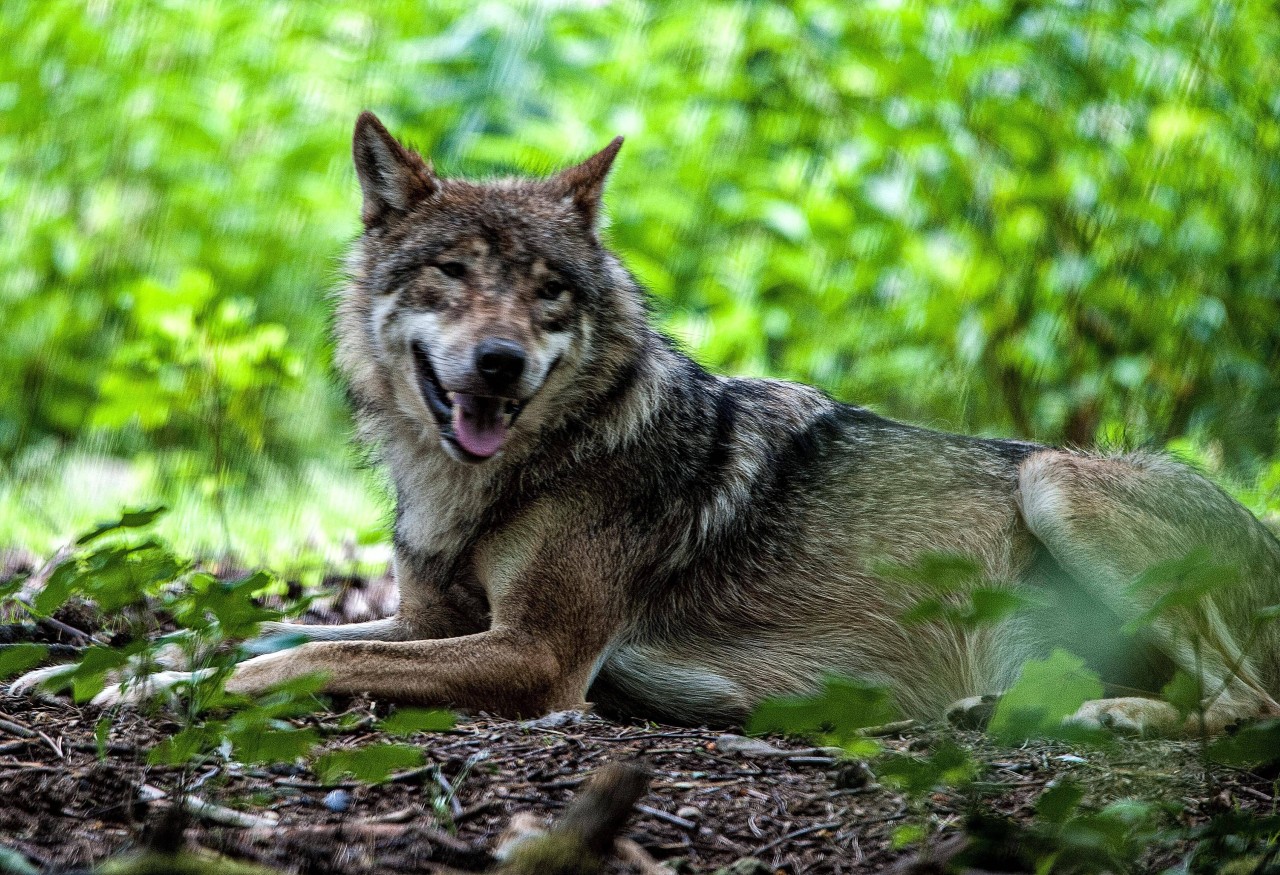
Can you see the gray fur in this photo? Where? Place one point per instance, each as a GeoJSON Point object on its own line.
{"type": "Point", "coordinates": [736, 523]}
{"type": "Point", "coordinates": [686, 545]}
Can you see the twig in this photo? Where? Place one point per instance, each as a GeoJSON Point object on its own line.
{"type": "Point", "coordinates": [630, 852]}
{"type": "Point", "coordinates": [450, 794]}
{"type": "Point", "coordinates": [1256, 794]}
{"type": "Point", "coordinates": [795, 834]}
{"type": "Point", "coordinates": [476, 810]}
{"type": "Point", "coordinates": [887, 728]}
{"type": "Point", "coordinates": [673, 819]}
{"type": "Point", "coordinates": [205, 810]}
{"type": "Point", "coordinates": [363, 830]}
{"type": "Point", "coordinates": [77, 636]}
{"type": "Point", "coordinates": [15, 729]}
{"type": "Point", "coordinates": [400, 815]}
{"type": "Point", "coordinates": [588, 829]}
{"type": "Point", "coordinates": [54, 746]}
{"type": "Point", "coordinates": [412, 776]}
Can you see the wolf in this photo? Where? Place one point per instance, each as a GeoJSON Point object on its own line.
{"type": "Point", "coordinates": [585, 513]}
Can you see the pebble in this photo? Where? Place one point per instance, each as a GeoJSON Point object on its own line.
{"type": "Point", "coordinates": [337, 800]}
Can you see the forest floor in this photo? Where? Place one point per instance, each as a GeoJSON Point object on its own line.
{"type": "Point", "coordinates": [66, 801]}
{"type": "Point", "coordinates": [70, 797]}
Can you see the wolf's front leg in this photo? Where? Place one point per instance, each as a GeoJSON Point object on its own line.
{"type": "Point", "coordinates": [503, 671]}
{"type": "Point", "coordinates": [176, 666]}
{"type": "Point", "coordinates": [386, 629]}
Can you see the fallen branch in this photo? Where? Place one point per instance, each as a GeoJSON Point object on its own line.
{"type": "Point", "coordinates": [202, 809]}
{"type": "Point", "coordinates": [579, 841]}
{"type": "Point", "coordinates": [12, 728]}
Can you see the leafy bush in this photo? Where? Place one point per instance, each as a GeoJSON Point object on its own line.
{"type": "Point", "coordinates": [1067, 835]}
{"type": "Point", "coordinates": [127, 571]}
{"type": "Point", "coordinates": [1051, 220]}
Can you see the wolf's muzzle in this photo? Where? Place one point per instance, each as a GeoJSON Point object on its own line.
{"type": "Point", "coordinates": [475, 425]}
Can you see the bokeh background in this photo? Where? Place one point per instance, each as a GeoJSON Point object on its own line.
{"type": "Point", "coordinates": [1057, 221]}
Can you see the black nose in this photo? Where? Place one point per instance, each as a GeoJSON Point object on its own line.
{"type": "Point", "coordinates": [500, 363]}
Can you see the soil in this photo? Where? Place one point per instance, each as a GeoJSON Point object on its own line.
{"type": "Point", "coordinates": [70, 798]}
{"type": "Point", "coordinates": [64, 805]}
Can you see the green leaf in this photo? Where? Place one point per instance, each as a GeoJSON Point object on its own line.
{"type": "Point", "coordinates": [130, 519]}
{"type": "Point", "coordinates": [1047, 692]}
{"type": "Point", "coordinates": [101, 733]}
{"type": "Point", "coordinates": [89, 676]}
{"type": "Point", "coordinates": [407, 721]}
{"type": "Point", "coordinates": [57, 589]}
{"type": "Point", "coordinates": [372, 764]}
{"type": "Point", "coordinates": [186, 745]}
{"type": "Point", "coordinates": [978, 607]}
{"type": "Point", "coordinates": [948, 766]}
{"type": "Point", "coordinates": [261, 745]}
{"type": "Point", "coordinates": [1059, 801]}
{"type": "Point", "coordinates": [907, 835]}
{"type": "Point", "coordinates": [1185, 582]}
{"type": "Point", "coordinates": [1183, 692]}
{"type": "Point", "coordinates": [1255, 744]}
{"type": "Point", "coordinates": [17, 658]}
{"type": "Point", "coordinates": [843, 707]}
{"type": "Point", "coordinates": [940, 571]}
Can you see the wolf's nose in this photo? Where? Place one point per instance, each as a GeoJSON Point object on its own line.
{"type": "Point", "coordinates": [500, 363]}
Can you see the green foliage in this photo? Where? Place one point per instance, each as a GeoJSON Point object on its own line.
{"type": "Point", "coordinates": [129, 519]}
{"type": "Point", "coordinates": [1184, 692]}
{"type": "Point", "coordinates": [948, 765]}
{"type": "Point", "coordinates": [371, 764]}
{"type": "Point", "coordinates": [114, 568]}
{"type": "Point", "coordinates": [17, 658]}
{"type": "Point", "coordinates": [409, 721]}
{"type": "Point", "coordinates": [1255, 744]}
{"type": "Point", "coordinates": [837, 714]}
{"type": "Point", "coordinates": [1054, 220]}
{"type": "Point", "coordinates": [1058, 802]}
{"type": "Point", "coordinates": [1111, 840]}
{"type": "Point", "coordinates": [958, 592]}
{"type": "Point", "coordinates": [1181, 584]}
{"type": "Point", "coordinates": [1236, 843]}
{"type": "Point", "coordinates": [1046, 693]}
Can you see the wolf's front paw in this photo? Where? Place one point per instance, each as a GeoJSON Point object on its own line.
{"type": "Point", "coordinates": [34, 682]}
{"type": "Point", "coordinates": [1128, 716]}
{"type": "Point", "coordinates": [141, 689]}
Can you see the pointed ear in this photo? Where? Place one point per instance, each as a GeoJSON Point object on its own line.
{"type": "Point", "coordinates": [585, 182]}
{"type": "Point", "coordinates": [392, 177]}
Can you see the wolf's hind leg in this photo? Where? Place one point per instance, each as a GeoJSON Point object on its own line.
{"type": "Point", "coordinates": [1108, 520]}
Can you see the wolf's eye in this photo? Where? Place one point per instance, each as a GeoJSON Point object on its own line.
{"type": "Point", "coordinates": [552, 290]}
{"type": "Point", "coordinates": [455, 269]}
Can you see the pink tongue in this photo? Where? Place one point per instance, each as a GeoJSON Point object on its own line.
{"type": "Point", "coordinates": [479, 424]}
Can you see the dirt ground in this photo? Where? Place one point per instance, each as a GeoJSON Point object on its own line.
{"type": "Point", "coordinates": [717, 802]}
{"type": "Point", "coordinates": [710, 804]}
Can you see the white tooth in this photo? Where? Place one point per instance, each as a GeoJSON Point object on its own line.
{"type": "Point", "coordinates": [449, 395]}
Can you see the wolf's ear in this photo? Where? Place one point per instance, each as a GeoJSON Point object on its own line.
{"type": "Point", "coordinates": [392, 177]}
{"type": "Point", "coordinates": [585, 182]}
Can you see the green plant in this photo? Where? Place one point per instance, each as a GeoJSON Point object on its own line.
{"type": "Point", "coordinates": [130, 573]}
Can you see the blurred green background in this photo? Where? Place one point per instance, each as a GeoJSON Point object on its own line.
{"type": "Point", "coordinates": [1058, 221]}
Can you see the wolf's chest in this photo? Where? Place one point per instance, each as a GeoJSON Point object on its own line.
{"type": "Point", "coordinates": [503, 560]}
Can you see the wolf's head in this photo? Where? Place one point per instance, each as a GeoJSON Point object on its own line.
{"type": "Point", "coordinates": [476, 308]}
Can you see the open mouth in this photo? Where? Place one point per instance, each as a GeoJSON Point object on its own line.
{"type": "Point", "coordinates": [476, 425]}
